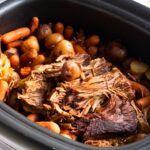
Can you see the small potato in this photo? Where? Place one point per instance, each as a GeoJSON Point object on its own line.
{"type": "Point", "coordinates": [64, 47]}
{"type": "Point", "coordinates": [115, 52]}
{"type": "Point", "coordinates": [92, 41]}
{"type": "Point", "coordinates": [28, 56]}
{"type": "Point", "coordinates": [52, 126]}
{"type": "Point", "coordinates": [71, 70]}
{"type": "Point", "coordinates": [59, 28]}
{"type": "Point", "coordinates": [30, 43]}
{"type": "Point", "coordinates": [138, 67]}
{"type": "Point", "coordinates": [52, 39]}
{"type": "Point", "coordinates": [43, 31]}
{"type": "Point", "coordinates": [68, 32]}
{"type": "Point", "coordinates": [3, 89]}
{"type": "Point", "coordinates": [14, 61]}
{"type": "Point", "coordinates": [33, 117]}
{"type": "Point", "coordinates": [147, 74]}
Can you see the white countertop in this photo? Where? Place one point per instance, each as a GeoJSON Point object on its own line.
{"type": "Point", "coordinates": [144, 2]}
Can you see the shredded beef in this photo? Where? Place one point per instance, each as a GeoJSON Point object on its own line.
{"type": "Point", "coordinates": [97, 104]}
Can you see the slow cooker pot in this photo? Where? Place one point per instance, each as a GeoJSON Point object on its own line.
{"type": "Point", "coordinates": [125, 20]}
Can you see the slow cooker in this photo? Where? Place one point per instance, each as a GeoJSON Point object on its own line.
{"type": "Point", "coordinates": [125, 20]}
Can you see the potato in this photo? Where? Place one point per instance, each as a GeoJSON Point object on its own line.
{"type": "Point", "coordinates": [28, 56]}
{"type": "Point", "coordinates": [64, 47]}
{"type": "Point", "coordinates": [30, 43]}
{"type": "Point", "coordinates": [147, 74]}
{"type": "Point", "coordinates": [52, 39]}
{"type": "Point", "coordinates": [138, 67]}
{"type": "Point", "coordinates": [43, 31]}
{"type": "Point", "coordinates": [71, 70]}
{"type": "Point", "coordinates": [115, 52]}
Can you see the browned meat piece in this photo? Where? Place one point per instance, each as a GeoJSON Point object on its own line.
{"type": "Point", "coordinates": [35, 87]}
{"type": "Point", "coordinates": [101, 97]}
{"type": "Point", "coordinates": [116, 118]}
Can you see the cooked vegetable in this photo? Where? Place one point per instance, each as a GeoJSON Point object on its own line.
{"type": "Point", "coordinates": [15, 35]}
{"type": "Point", "coordinates": [78, 49]}
{"type": "Point", "coordinates": [25, 71]}
{"type": "Point", "coordinates": [147, 74]}
{"type": "Point", "coordinates": [71, 70]}
{"type": "Point", "coordinates": [59, 28]}
{"type": "Point", "coordinates": [33, 117]}
{"type": "Point", "coordinates": [143, 102]}
{"type": "Point", "coordinates": [34, 24]}
{"type": "Point", "coordinates": [138, 67]}
{"type": "Point", "coordinates": [68, 134]}
{"type": "Point", "coordinates": [92, 50]}
{"type": "Point", "coordinates": [64, 47]}
{"type": "Point", "coordinates": [52, 39]}
{"type": "Point", "coordinates": [40, 59]}
{"type": "Point", "coordinates": [52, 126]}
{"type": "Point", "coordinates": [3, 89]}
{"type": "Point", "coordinates": [92, 41]}
{"type": "Point", "coordinates": [43, 31]}
{"type": "Point", "coordinates": [115, 52]}
{"type": "Point", "coordinates": [68, 32]}
{"type": "Point", "coordinates": [30, 43]}
{"type": "Point", "coordinates": [28, 56]}
{"type": "Point", "coordinates": [14, 61]}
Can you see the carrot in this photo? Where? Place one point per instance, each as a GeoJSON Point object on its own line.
{"type": "Point", "coordinates": [15, 35]}
{"type": "Point", "coordinates": [3, 89]}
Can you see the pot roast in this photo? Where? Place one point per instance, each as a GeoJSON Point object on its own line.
{"type": "Point", "coordinates": [97, 105]}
